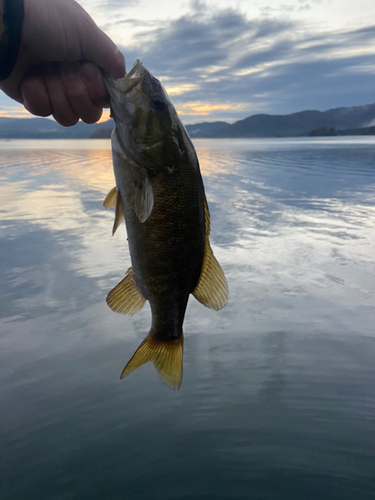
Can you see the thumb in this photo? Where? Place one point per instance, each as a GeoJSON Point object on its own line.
{"type": "Point", "coordinates": [99, 49]}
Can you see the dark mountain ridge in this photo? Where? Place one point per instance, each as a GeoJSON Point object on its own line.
{"type": "Point", "coordinates": [260, 125]}
{"type": "Point", "coordinates": [295, 124]}
{"type": "Point", "coordinates": [43, 128]}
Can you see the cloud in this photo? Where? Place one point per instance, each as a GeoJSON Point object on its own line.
{"type": "Point", "coordinates": [284, 8]}
{"type": "Point", "coordinates": [238, 66]}
{"type": "Point", "coordinates": [117, 4]}
{"type": "Point", "coordinates": [108, 6]}
{"type": "Point", "coordinates": [221, 64]}
{"type": "Point", "coordinates": [200, 45]}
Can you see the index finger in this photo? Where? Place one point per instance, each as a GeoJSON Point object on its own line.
{"type": "Point", "coordinates": [99, 49]}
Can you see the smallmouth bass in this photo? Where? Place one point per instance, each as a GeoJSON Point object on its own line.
{"type": "Point", "coordinates": [160, 194]}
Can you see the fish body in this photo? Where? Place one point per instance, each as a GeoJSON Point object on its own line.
{"type": "Point", "coordinates": [160, 193]}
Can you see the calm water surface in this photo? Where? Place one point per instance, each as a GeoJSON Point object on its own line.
{"type": "Point", "coordinates": [278, 397]}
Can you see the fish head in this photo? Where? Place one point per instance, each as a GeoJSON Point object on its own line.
{"type": "Point", "coordinates": [147, 126]}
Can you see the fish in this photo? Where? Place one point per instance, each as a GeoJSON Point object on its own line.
{"type": "Point", "coordinates": [159, 193]}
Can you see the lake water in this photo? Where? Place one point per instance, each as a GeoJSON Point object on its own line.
{"type": "Point", "coordinates": [278, 397]}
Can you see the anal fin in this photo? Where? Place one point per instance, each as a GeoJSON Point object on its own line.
{"type": "Point", "coordinates": [126, 297]}
{"type": "Point", "coordinates": [166, 357]}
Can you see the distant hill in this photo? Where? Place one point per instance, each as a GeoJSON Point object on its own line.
{"type": "Point", "coordinates": [296, 124]}
{"type": "Point", "coordinates": [103, 132]}
{"type": "Point", "coordinates": [303, 123]}
{"type": "Point", "coordinates": [357, 131]}
{"type": "Point", "coordinates": [43, 128]}
{"type": "Point", "coordinates": [207, 129]}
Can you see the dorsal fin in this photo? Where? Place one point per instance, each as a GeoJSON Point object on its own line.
{"type": "Point", "coordinates": [126, 297]}
{"type": "Point", "coordinates": [212, 287]}
{"type": "Point", "coordinates": [166, 356]}
{"type": "Point", "coordinates": [207, 218]}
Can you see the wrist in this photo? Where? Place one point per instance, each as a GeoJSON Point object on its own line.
{"type": "Point", "coordinates": [10, 33]}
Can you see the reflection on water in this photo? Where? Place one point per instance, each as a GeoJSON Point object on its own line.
{"type": "Point", "coordinates": [278, 395]}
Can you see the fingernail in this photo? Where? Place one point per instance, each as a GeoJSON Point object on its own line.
{"type": "Point", "coordinates": [25, 105]}
{"type": "Point", "coordinates": [70, 69]}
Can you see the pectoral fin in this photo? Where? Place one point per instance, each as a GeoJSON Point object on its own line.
{"type": "Point", "coordinates": [166, 356]}
{"type": "Point", "coordinates": [114, 200]}
{"type": "Point", "coordinates": [143, 198]}
{"type": "Point", "coordinates": [110, 199]}
{"type": "Point", "coordinates": [212, 287]}
{"type": "Point", "coordinates": [119, 215]}
{"type": "Point", "coordinates": [126, 297]}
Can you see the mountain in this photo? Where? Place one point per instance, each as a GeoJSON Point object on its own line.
{"type": "Point", "coordinates": [207, 129]}
{"type": "Point", "coordinates": [261, 125]}
{"type": "Point", "coordinates": [300, 124]}
{"type": "Point", "coordinates": [43, 128]}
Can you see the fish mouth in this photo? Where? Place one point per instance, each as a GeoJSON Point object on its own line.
{"type": "Point", "coordinates": [136, 66]}
{"type": "Point", "coordinates": [129, 81]}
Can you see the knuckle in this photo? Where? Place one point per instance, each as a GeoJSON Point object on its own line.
{"type": "Point", "coordinates": [98, 93]}
{"type": "Point", "coordinates": [76, 90]}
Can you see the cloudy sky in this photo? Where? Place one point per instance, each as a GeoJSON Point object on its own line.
{"type": "Point", "coordinates": [225, 60]}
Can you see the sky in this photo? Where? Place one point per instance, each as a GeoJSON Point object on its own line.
{"type": "Point", "coordinates": [226, 60]}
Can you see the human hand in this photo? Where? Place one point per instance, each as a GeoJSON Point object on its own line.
{"type": "Point", "coordinates": [57, 71]}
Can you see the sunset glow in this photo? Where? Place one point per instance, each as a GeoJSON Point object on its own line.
{"type": "Point", "coordinates": [225, 61]}
{"type": "Point", "coordinates": [204, 109]}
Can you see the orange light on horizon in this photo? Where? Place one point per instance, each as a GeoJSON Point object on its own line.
{"type": "Point", "coordinates": [197, 108]}
{"type": "Point", "coordinates": [204, 109]}
{"type": "Point", "coordinates": [15, 113]}
{"type": "Point", "coordinates": [105, 116]}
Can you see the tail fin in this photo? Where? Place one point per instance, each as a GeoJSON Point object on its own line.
{"type": "Point", "coordinates": [166, 356]}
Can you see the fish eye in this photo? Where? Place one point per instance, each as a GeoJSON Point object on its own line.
{"type": "Point", "coordinates": [158, 103]}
